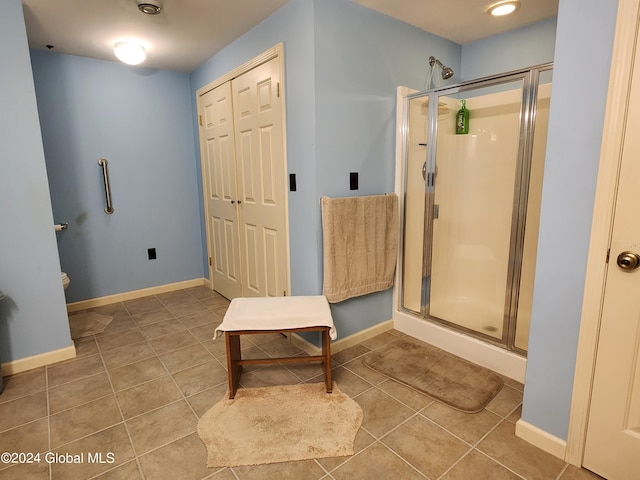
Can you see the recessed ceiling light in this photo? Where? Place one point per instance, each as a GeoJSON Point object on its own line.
{"type": "Point", "coordinates": [503, 8]}
{"type": "Point", "coordinates": [129, 53]}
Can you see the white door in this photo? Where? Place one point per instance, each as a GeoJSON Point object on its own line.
{"type": "Point", "coordinates": [612, 447]}
{"type": "Point", "coordinates": [216, 107]}
{"type": "Point", "coordinates": [261, 171]}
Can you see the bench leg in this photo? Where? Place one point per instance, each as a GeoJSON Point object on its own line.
{"type": "Point", "coordinates": [233, 357]}
{"type": "Point", "coordinates": [326, 353]}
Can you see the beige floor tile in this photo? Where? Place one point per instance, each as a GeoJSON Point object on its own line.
{"type": "Point", "coordinates": [379, 340]}
{"type": "Point", "coordinates": [185, 458]}
{"type": "Point", "coordinates": [143, 305]}
{"type": "Point", "coordinates": [86, 346]}
{"type": "Point", "coordinates": [128, 471]}
{"type": "Point", "coordinates": [381, 412]}
{"type": "Point", "coordinates": [348, 354]}
{"type": "Point", "coordinates": [200, 377]}
{"type": "Point", "coordinates": [506, 401]}
{"type": "Point", "coordinates": [148, 396]}
{"type": "Point", "coordinates": [575, 473]}
{"type": "Point", "coordinates": [356, 366]}
{"type": "Point", "coordinates": [426, 446]}
{"type": "Point", "coordinates": [187, 307]}
{"type": "Point", "coordinates": [119, 339]}
{"type": "Point", "coordinates": [174, 341]}
{"type": "Point", "coordinates": [185, 357]}
{"type": "Point", "coordinates": [280, 347]}
{"type": "Point", "coordinates": [302, 470]}
{"type": "Point", "coordinates": [71, 370]}
{"type": "Point", "coordinates": [203, 401]}
{"type": "Point", "coordinates": [76, 393]}
{"type": "Point", "coordinates": [31, 437]}
{"type": "Point", "coordinates": [119, 324]}
{"type": "Point", "coordinates": [154, 316]}
{"type": "Point", "coordinates": [29, 471]}
{"type": "Point", "coordinates": [204, 333]}
{"type": "Point", "coordinates": [476, 465]}
{"type": "Point", "coordinates": [410, 397]}
{"type": "Point", "coordinates": [159, 427]}
{"type": "Point", "coordinates": [205, 317]}
{"type": "Point", "coordinates": [23, 384]}
{"type": "Point", "coordinates": [349, 383]}
{"type": "Point", "coordinates": [136, 373]}
{"type": "Point", "coordinates": [267, 376]}
{"type": "Point", "coordinates": [122, 356]}
{"type": "Point", "coordinates": [362, 441]}
{"type": "Point", "coordinates": [112, 443]}
{"type": "Point", "coordinates": [471, 427]}
{"type": "Point", "coordinates": [518, 455]}
{"type": "Point", "coordinates": [86, 419]}
{"type": "Point", "coordinates": [115, 310]}
{"type": "Point", "coordinates": [23, 410]}
{"type": "Point", "coordinates": [377, 461]}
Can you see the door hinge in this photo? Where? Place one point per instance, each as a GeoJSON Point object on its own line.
{"type": "Point", "coordinates": [278, 89]}
{"type": "Point", "coordinates": [608, 253]}
{"type": "Point", "coordinates": [436, 211]}
{"type": "Point", "coordinates": [210, 262]}
{"type": "Point", "coordinates": [200, 119]}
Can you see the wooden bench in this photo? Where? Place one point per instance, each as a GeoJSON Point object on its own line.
{"type": "Point", "coordinates": [259, 315]}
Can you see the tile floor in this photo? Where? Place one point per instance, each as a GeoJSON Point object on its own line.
{"type": "Point", "coordinates": [134, 394]}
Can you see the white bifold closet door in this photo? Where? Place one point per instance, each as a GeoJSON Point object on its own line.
{"type": "Point", "coordinates": [245, 187]}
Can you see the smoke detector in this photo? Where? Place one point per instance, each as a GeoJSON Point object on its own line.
{"type": "Point", "coordinates": [149, 7]}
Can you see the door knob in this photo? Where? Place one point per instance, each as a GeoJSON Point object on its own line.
{"type": "Point", "coordinates": [628, 260]}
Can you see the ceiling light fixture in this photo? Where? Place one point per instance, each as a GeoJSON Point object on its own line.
{"type": "Point", "coordinates": [150, 7]}
{"type": "Point", "coordinates": [129, 53]}
{"type": "Point", "coordinates": [503, 8]}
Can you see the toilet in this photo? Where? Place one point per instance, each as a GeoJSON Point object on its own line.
{"type": "Point", "coordinates": [65, 280]}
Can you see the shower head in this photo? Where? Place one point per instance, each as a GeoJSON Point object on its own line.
{"type": "Point", "coordinates": [447, 72]}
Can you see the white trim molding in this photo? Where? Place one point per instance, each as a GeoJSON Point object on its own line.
{"type": "Point", "coordinates": [541, 439]}
{"type": "Point", "coordinates": [345, 342]}
{"type": "Point", "coordinates": [40, 360]}
{"type": "Point", "coordinates": [133, 294]}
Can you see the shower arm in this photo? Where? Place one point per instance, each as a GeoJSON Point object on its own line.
{"type": "Point", "coordinates": [434, 60]}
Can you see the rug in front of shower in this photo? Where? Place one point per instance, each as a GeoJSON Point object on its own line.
{"type": "Point", "coordinates": [450, 379]}
{"type": "Point", "coordinates": [280, 424]}
{"type": "Point", "coordinates": [85, 324]}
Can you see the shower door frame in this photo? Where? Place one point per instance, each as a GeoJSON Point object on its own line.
{"type": "Point", "coordinates": [530, 81]}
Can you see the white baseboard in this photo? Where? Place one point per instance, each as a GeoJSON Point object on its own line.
{"type": "Point", "coordinates": [40, 360]}
{"type": "Point", "coordinates": [345, 342]}
{"type": "Point", "coordinates": [541, 439]}
{"type": "Point", "coordinates": [133, 294]}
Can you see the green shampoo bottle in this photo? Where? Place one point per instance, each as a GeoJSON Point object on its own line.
{"type": "Point", "coordinates": [462, 119]}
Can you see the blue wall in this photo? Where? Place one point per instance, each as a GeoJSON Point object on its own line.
{"type": "Point", "coordinates": [521, 48]}
{"type": "Point", "coordinates": [140, 120]}
{"type": "Point", "coordinates": [343, 63]}
{"type": "Point", "coordinates": [580, 82]}
{"type": "Point", "coordinates": [33, 317]}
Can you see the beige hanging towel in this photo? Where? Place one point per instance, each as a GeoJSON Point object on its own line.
{"type": "Point", "coordinates": [360, 244]}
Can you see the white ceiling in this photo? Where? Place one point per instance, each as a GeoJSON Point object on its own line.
{"type": "Point", "coordinates": [188, 32]}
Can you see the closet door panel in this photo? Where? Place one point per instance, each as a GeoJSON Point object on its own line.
{"type": "Point", "coordinates": [261, 179]}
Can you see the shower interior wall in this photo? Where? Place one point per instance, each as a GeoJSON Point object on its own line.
{"type": "Point", "coordinates": [474, 190]}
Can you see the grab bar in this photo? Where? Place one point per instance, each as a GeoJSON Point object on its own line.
{"type": "Point", "coordinates": [107, 189]}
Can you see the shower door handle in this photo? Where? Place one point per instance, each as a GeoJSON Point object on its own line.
{"type": "Point", "coordinates": [628, 261]}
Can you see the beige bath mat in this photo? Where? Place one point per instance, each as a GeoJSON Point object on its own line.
{"type": "Point", "coordinates": [452, 380]}
{"type": "Point", "coordinates": [86, 324]}
{"type": "Point", "coordinates": [280, 424]}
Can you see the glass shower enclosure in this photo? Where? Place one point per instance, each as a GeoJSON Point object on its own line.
{"type": "Point", "coordinates": [471, 204]}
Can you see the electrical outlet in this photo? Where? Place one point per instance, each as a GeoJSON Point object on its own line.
{"type": "Point", "coordinates": [152, 253]}
{"type": "Point", "coordinates": [353, 181]}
